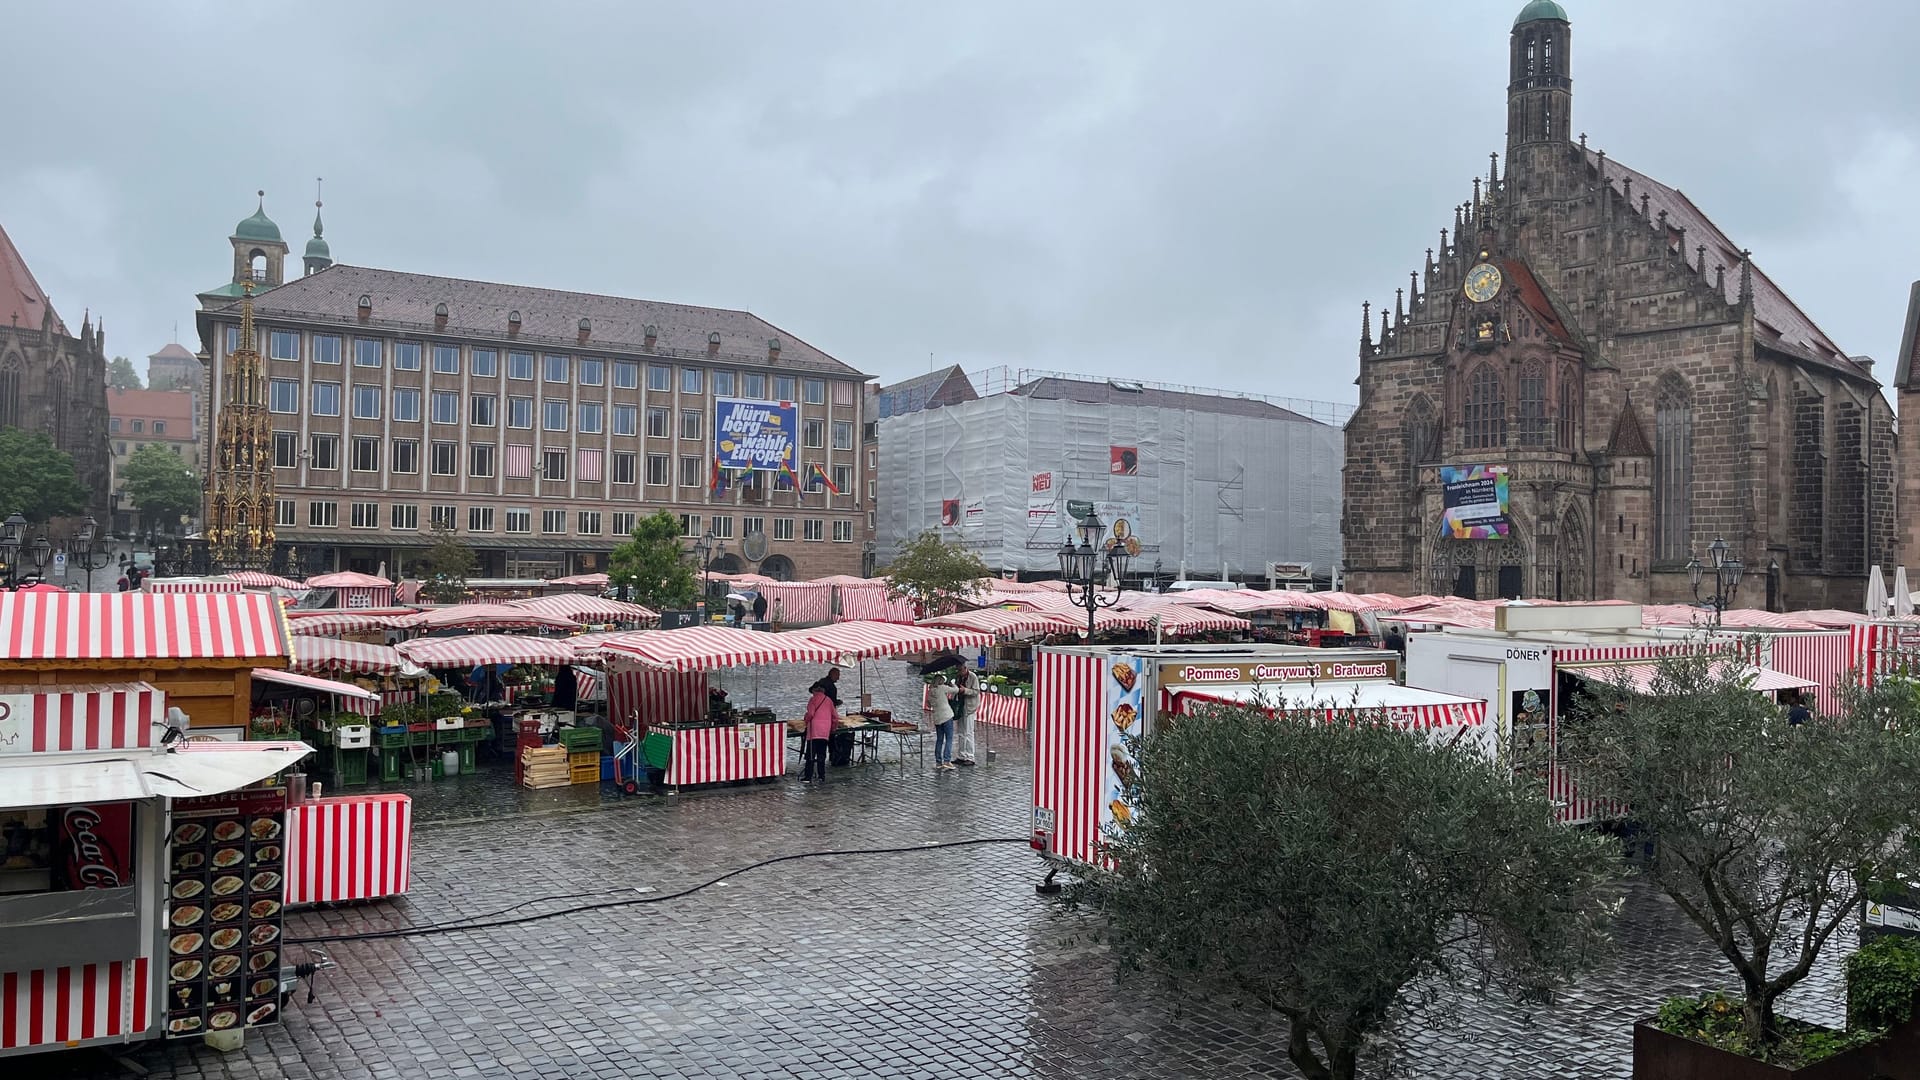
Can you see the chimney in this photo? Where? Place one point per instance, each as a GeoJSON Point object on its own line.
{"type": "Point", "coordinates": [713, 344]}
{"type": "Point", "coordinates": [365, 307]}
{"type": "Point", "coordinates": [652, 335]}
{"type": "Point", "coordinates": [439, 316]}
{"type": "Point", "coordinates": [773, 350]}
{"type": "Point", "coordinates": [586, 331]}
{"type": "Point", "coordinates": [513, 322]}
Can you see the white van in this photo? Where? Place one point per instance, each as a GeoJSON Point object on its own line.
{"type": "Point", "coordinates": [1186, 586]}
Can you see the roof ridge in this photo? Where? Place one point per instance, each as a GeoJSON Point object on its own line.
{"type": "Point", "coordinates": [512, 285]}
{"type": "Point", "coordinates": [13, 267]}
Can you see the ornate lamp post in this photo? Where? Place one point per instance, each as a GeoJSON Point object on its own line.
{"type": "Point", "coordinates": [87, 540]}
{"type": "Point", "coordinates": [1081, 566]}
{"type": "Point", "coordinates": [705, 550]}
{"type": "Point", "coordinates": [12, 531]}
{"type": "Point", "coordinates": [1726, 577]}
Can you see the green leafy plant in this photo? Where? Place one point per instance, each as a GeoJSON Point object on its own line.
{"type": "Point", "coordinates": [120, 374]}
{"type": "Point", "coordinates": [651, 568]}
{"type": "Point", "coordinates": [39, 480]}
{"type": "Point", "coordinates": [1883, 978]}
{"type": "Point", "coordinates": [939, 577]}
{"type": "Point", "coordinates": [161, 486]}
{"type": "Point", "coordinates": [445, 567]}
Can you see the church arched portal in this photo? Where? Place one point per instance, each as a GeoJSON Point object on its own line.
{"type": "Point", "coordinates": [1482, 569]}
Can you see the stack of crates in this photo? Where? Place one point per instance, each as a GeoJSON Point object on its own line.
{"type": "Point", "coordinates": [393, 751]}
{"type": "Point", "coordinates": [583, 753]}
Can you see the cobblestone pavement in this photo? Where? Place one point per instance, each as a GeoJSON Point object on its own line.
{"type": "Point", "coordinates": [925, 964]}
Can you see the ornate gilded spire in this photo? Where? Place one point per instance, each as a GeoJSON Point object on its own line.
{"type": "Point", "coordinates": [239, 487]}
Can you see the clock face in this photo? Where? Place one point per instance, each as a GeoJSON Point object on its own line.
{"type": "Point", "coordinates": [1483, 283]}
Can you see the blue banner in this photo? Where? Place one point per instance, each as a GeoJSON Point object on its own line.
{"type": "Point", "coordinates": [755, 434]}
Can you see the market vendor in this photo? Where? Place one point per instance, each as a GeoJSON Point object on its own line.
{"type": "Point", "coordinates": [566, 689]}
{"type": "Point", "coordinates": [828, 684]}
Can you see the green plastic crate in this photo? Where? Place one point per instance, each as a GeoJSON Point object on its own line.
{"type": "Point", "coordinates": [391, 737]}
{"type": "Point", "coordinates": [350, 768]}
{"type": "Point", "coordinates": [580, 738]}
{"type": "Point", "coordinates": [421, 738]}
{"type": "Point", "coordinates": [474, 734]}
{"type": "Point", "coordinates": [657, 748]}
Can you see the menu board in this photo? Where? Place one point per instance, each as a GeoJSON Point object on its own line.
{"type": "Point", "coordinates": [226, 889]}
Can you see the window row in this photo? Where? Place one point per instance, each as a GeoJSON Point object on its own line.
{"type": "Point", "coordinates": [405, 517]}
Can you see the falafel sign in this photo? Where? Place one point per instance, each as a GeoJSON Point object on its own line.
{"type": "Point", "coordinates": [750, 434]}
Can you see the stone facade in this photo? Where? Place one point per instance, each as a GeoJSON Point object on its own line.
{"type": "Point", "coordinates": [1906, 382]}
{"type": "Point", "coordinates": [1646, 387]}
{"type": "Point", "coordinates": [51, 380]}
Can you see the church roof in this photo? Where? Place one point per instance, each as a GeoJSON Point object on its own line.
{"type": "Point", "coordinates": [1780, 322]}
{"type": "Point", "coordinates": [1909, 341]}
{"type": "Point", "coordinates": [1537, 10]}
{"type": "Point", "coordinates": [259, 226]}
{"type": "Point", "coordinates": [172, 351]}
{"type": "Point", "coordinates": [1629, 439]}
{"type": "Point", "coordinates": [23, 302]}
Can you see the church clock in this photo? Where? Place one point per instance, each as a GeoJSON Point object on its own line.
{"type": "Point", "coordinates": [1483, 282]}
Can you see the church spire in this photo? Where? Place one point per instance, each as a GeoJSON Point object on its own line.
{"type": "Point", "coordinates": [239, 486]}
{"type": "Point", "coordinates": [1539, 87]}
{"type": "Point", "coordinates": [318, 256]}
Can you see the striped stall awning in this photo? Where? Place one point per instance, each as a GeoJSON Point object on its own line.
{"type": "Point", "coordinates": [871, 602]}
{"type": "Point", "coordinates": [798, 602]}
{"type": "Point", "coordinates": [141, 626]}
{"type": "Point", "coordinates": [318, 655]}
{"type": "Point", "coordinates": [110, 716]}
{"type": "Point", "coordinates": [1248, 601]}
{"type": "Point", "coordinates": [1405, 706]}
{"type": "Point", "coordinates": [871, 640]}
{"type": "Point", "coordinates": [1005, 623]}
{"type": "Point", "coordinates": [1177, 619]}
{"type": "Point", "coordinates": [329, 623]}
{"type": "Point", "coordinates": [1643, 676]}
{"type": "Point", "coordinates": [481, 617]}
{"type": "Point", "coordinates": [477, 649]}
{"type": "Point", "coordinates": [254, 579]}
{"type": "Point", "coordinates": [315, 683]}
{"type": "Point", "coordinates": [593, 581]}
{"type": "Point", "coordinates": [705, 648]}
{"type": "Point", "coordinates": [191, 585]}
{"type": "Point", "coordinates": [348, 579]}
{"type": "Point", "coordinates": [587, 608]}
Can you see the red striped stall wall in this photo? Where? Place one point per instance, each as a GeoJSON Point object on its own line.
{"type": "Point", "coordinates": [798, 603]}
{"type": "Point", "coordinates": [1825, 658]}
{"type": "Point", "coordinates": [115, 717]}
{"type": "Point", "coordinates": [1578, 806]}
{"type": "Point", "coordinates": [640, 698]}
{"type": "Point", "coordinates": [871, 603]}
{"type": "Point", "coordinates": [714, 755]}
{"type": "Point", "coordinates": [1003, 710]}
{"type": "Point", "coordinates": [60, 1005]}
{"type": "Point", "coordinates": [353, 847]}
{"type": "Point", "coordinates": [1068, 738]}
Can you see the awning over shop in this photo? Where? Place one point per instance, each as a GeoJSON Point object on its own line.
{"type": "Point", "coordinates": [121, 775]}
{"type": "Point", "coordinates": [141, 626]}
{"type": "Point", "coordinates": [871, 640]}
{"type": "Point", "coordinates": [329, 623]}
{"type": "Point", "coordinates": [191, 585]}
{"type": "Point", "coordinates": [477, 649]}
{"type": "Point", "coordinates": [310, 682]}
{"type": "Point", "coordinates": [323, 655]}
{"type": "Point", "coordinates": [706, 648]}
{"type": "Point", "coordinates": [1407, 705]}
{"type": "Point", "coordinates": [347, 579]}
{"type": "Point", "coordinates": [254, 579]}
{"type": "Point", "coordinates": [1005, 623]}
{"type": "Point", "coordinates": [103, 716]}
{"type": "Point", "coordinates": [587, 608]}
{"type": "Point", "coordinates": [1642, 677]}
{"type": "Point", "coordinates": [481, 617]}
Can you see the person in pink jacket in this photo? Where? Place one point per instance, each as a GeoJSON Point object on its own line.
{"type": "Point", "coordinates": [820, 718]}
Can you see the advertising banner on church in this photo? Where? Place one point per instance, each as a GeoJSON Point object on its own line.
{"type": "Point", "coordinates": [1474, 498]}
{"type": "Point", "coordinates": [755, 434]}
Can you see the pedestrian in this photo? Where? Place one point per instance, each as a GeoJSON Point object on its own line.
{"type": "Point", "coordinates": [123, 583]}
{"type": "Point", "coordinates": [941, 695]}
{"type": "Point", "coordinates": [821, 715]}
{"type": "Point", "coordinates": [966, 705]}
{"type": "Point", "coordinates": [759, 607]}
{"type": "Point", "coordinates": [1798, 713]}
{"type": "Point", "coordinates": [830, 683]}
{"type": "Point", "coordinates": [736, 613]}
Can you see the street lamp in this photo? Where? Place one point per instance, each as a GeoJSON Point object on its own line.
{"type": "Point", "coordinates": [1081, 565]}
{"type": "Point", "coordinates": [1726, 577]}
{"type": "Point", "coordinates": [706, 549]}
{"type": "Point", "coordinates": [88, 540]}
{"type": "Point", "coordinates": [11, 531]}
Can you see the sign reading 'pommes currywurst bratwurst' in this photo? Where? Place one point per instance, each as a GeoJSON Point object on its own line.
{"type": "Point", "coordinates": [1220, 674]}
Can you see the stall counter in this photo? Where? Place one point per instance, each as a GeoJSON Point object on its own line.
{"type": "Point", "coordinates": [712, 755]}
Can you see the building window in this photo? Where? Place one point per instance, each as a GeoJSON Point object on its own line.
{"type": "Point", "coordinates": [323, 515]}
{"type": "Point", "coordinates": [286, 449]}
{"type": "Point", "coordinates": [756, 384]}
{"type": "Point", "coordinates": [159, 427]}
{"type": "Point", "coordinates": [586, 466]}
{"type": "Point", "coordinates": [553, 521]}
{"type": "Point", "coordinates": [553, 415]}
{"type": "Point", "coordinates": [721, 526]}
{"type": "Point", "coordinates": [659, 377]}
{"type": "Point", "coordinates": [113, 425]}
{"type": "Point", "coordinates": [626, 419]}
{"type": "Point", "coordinates": [558, 368]}
{"type": "Point", "coordinates": [1533, 404]}
{"type": "Point", "coordinates": [486, 363]}
{"type": "Point", "coordinates": [783, 388]}
{"type": "Point", "coordinates": [366, 403]}
{"type": "Point", "coordinates": [440, 516]}
{"type": "Point", "coordinates": [480, 409]}
{"type": "Point", "coordinates": [843, 393]}
{"type": "Point", "coordinates": [446, 407]}
{"type": "Point", "coordinates": [657, 469]}
{"type": "Point", "coordinates": [406, 455]}
{"type": "Point", "coordinates": [406, 405]}
{"type": "Point", "coordinates": [814, 391]}
{"type": "Point", "coordinates": [283, 396]}
{"type": "Point", "coordinates": [1485, 414]}
{"type": "Point", "coordinates": [722, 383]}
{"type": "Point", "coordinates": [480, 519]}
{"type": "Point", "coordinates": [139, 426]}
{"type": "Point", "coordinates": [520, 412]}
{"type": "Point", "coordinates": [843, 478]}
{"type": "Point", "coordinates": [625, 467]}
{"type": "Point", "coordinates": [365, 454]}
{"type": "Point", "coordinates": [406, 356]}
{"type": "Point", "coordinates": [480, 459]}
{"type": "Point", "coordinates": [873, 459]}
{"type": "Point", "coordinates": [553, 464]}
{"type": "Point", "coordinates": [656, 423]}
{"type": "Point", "coordinates": [751, 525]}
{"type": "Point", "coordinates": [626, 375]}
{"type": "Point", "coordinates": [324, 452]}
{"type": "Point", "coordinates": [691, 474]}
{"type": "Point", "coordinates": [519, 365]}
{"type": "Point", "coordinates": [284, 513]}
{"type": "Point", "coordinates": [519, 461]}
{"type": "Point", "coordinates": [446, 359]}
{"type": "Point", "coordinates": [689, 524]}
{"type": "Point", "coordinates": [783, 528]}
{"type": "Point", "coordinates": [446, 459]}
{"type": "Point", "coordinates": [593, 372]}
{"type": "Point", "coordinates": [326, 349]}
{"type": "Point", "coordinates": [1672, 471]}
{"type": "Point", "coordinates": [871, 488]}
{"type": "Point", "coordinates": [283, 345]}
{"type": "Point", "coordinates": [692, 380]}
{"type": "Point", "coordinates": [407, 516]}
{"type": "Point", "coordinates": [233, 339]}
{"type": "Point", "coordinates": [366, 352]}
{"type": "Point", "coordinates": [689, 423]}
{"type": "Point", "coordinates": [813, 529]}
{"type": "Point", "coordinates": [843, 532]}
{"type": "Point", "coordinates": [1421, 429]}
{"type": "Point", "coordinates": [519, 521]}
{"type": "Point", "coordinates": [591, 417]}
{"type": "Point", "coordinates": [843, 434]}
{"type": "Point", "coordinates": [624, 522]}
{"type": "Point", "coordinates": [1569, 413]}
{"type": "Point", "coordinates": [588, 523]}
{"type": "Point", "coordinates": [813, 434]}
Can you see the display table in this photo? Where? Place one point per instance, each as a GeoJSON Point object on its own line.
{"type": "Point", "coordinates": [1003, 710]}
{"type": "Point", "coordinates": [713, 755]}
{"type": "Point", "coordinates": [350, 847]}
{"type": "Point", "coordinates": [866, 733]}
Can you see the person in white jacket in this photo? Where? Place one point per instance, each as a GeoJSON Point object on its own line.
{"type": "Point", "coordinates": [940, 696]}
{"type": "Point", "coordinates": [966, 704]}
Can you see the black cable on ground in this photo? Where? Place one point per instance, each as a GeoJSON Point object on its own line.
{"type": "Point", "coordinates": [472, 923]}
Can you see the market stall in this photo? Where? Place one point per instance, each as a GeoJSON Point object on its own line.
{"type": "Point", "coordinates": [341, 848]}
{"type": "Point", "coordinates": [498, 719]}
{"type": "Point", "coordinates": [479, 616]}
{"type": "Point", "coordinates": [589, 610]}
{"type": "Point", "coordinates": [858, 642]}
{"type": "Point", "coordinates": [190, 585]}
{"type": "Point", "coordinates": [348, 590]}
{"type": "Point", "coordinates": [368, 625]}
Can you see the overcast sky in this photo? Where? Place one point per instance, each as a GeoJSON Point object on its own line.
{"type": "Point", "coordinates": [1196, 193]}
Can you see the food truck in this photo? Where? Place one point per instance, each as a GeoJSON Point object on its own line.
{"type": "Point", "coordinates": [1094, 703]}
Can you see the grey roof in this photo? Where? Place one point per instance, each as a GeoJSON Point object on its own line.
{"type": "Point", "coordinates": [1105, 393]}
{"type": "Point", "coordinates": [1909, 341]}
{"type": "Point", "coordinates": [549, 318]}
{"type": "Point", "coordinates": [173, 351]}
{"type": "Point", "coordinates": [913, 395]}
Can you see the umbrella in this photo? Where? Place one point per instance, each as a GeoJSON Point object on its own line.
{"type": "Point", "coordinates": [941, 663]}
{"type": "Point", "coordinates": [1876, 593]}
{"type": "Point", "coordinates": [747, 597]}
{"type": "Point", "coordinates": [1902, 599]}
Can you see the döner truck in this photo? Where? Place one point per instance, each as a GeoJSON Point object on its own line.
{"type": "Point", "coordinates": [1093, 704]}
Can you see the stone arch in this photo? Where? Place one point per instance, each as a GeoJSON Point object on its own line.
{"type": "Point", "coordinates": [1478, 569]}
{"type": "Point", "coordinates": [1573, 578]}
{"type": "Point", "coordinates": [1672, 469]}
{"type": "Point", "coordinates": [777, 567]}
{"type": "Point", "coordinates": [727, 564]}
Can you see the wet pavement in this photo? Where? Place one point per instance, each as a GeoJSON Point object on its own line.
{"type": "Point", "coordinates": [922, 963]}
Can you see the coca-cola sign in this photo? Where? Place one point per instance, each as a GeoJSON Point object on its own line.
{"type": "Point", "coordinates": [96, 845]}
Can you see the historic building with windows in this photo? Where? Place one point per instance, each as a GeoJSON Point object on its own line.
{"type": "Point", "coordinates": [1644, 385]}
{"type": "Point", "coordinates": [137, 419]}
{"type": "Point", "coordinates": [537, 424]}
{"type": "Point", "coordinates": [51, 380]}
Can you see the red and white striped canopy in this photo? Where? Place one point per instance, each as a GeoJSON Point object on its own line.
{"type": "Point", "coordinates": [1643, 676]}
{"type": "Point", "coordinates": [595, 581]}
{"type": "Point", "coordinates": [323, 655]}
{"type": "Point", "coordinates": [870, 640]}
{"type": "Point", "coordinates": [141, 626]}
{"type": "Point", "coordinates": [315, 683]}
{"type": "Point", "coordinates": [328, 623]}
{"type": "Point", "coordinates": [474, 650]}
{"type": "Point", "coordinates": [1247, 601]}
{"type": "Point", "coordinates": [705, 648]}
{"type": "Point", "coordinates": [190, 585]}
{"type": "Point", "coordinates": [347, 579]}
{"type": "Point", "coordinates": [254, 579]}
{"type": "Point", "coordinates": [481, 617]}
{"type": "Point", "coordinates": [1177, 619]}
{"type": "Point", "coordinates": [1005, 622]}
{"type": "Point", "coordinates": [1405, 706]}
{"type": "Point", "coordinates": [586, 608]}
{"type": "Point", "coordinates": [1341, 601]}
{"type": "Point", "coordinates": [110, 716]}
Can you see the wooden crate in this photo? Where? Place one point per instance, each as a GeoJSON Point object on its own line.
{"type": "Point", "coordinates": [545, 767]}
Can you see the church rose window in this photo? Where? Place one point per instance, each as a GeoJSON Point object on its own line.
{"type": "Point", "coordinates": [1485, 416]}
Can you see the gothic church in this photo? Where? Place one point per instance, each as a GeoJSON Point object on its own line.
{"type": "Point", "coordinates": [1645, 386]}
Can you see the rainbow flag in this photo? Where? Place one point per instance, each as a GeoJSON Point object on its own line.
{"type": "Point", "coordinates": [815, 472]}
{"type": "Point", "coordinates": [787, 474]}
{"type": "Point", "coordinates": [719, 479]}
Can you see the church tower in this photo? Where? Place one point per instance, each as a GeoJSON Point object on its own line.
{"type": "Point", "coordinates": [239, 486]}
{"type": "Point", "coordinates": [1539, 88]}
{"type": "Point", "coordinates": [318, 256]}
{"type": "Point", "coordinates": [259, 255]}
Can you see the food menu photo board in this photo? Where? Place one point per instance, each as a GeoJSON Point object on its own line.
{"type": "Point", "coordinates": [1120, 695]}
{"type": "Point", "coordinates": [226, 889]}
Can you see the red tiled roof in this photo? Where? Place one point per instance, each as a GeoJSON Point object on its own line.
{"type": "Point", "coordinates": [23, 302]}
{"type": "Point", "coordinates": [1782, 324]}
{"type": "Point", "coordinates": [153, 405]}
{"type": "Point", "coordinates": [172, 351]}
